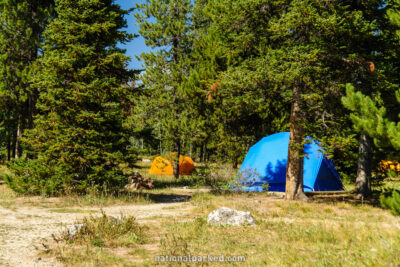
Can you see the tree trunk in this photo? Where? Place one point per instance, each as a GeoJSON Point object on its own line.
{"type": "Point", "coordinates": [204, 152]}
{"type": "Point", "coordinates": [18, 149]}
{"type": "Point", "coordinates": [362, 187]}
{"type": "Point", "coordinates": [160, 144]}
{"type": "Point", "coordinates": [201, 152]}
{"type": "Point", "coordinates": [13, 143]}
{"type": "Point", "coordinates": [8, 145]}
{"type": "Point", "coordinates": [294, 170]}
{"type": "Point", "coordinates": [235, 164]}
{"type": "Point", "coordinates": [176, 160]}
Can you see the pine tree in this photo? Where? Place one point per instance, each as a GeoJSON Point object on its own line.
{"type": "Point", "coordinates": [290, 53]}
{"type": "Point", "coordinates": [165, 26]}
{"type": "Point", "coordinates": [376, 82]}
{"type": "Point", "coordinates": [376, 114]}
{"type": "Point", "coordinates": [22, 23]}
{"type": "Point", "coordinates": [391, 200]}
{"type": "Point", "coordinates": [79, 139]}
{"type": "Point", "coordinates": [319, 38]}
{"type": "Point", "coordinates": [237, 106]}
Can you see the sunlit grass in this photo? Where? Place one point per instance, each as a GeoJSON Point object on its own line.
{"type": "Point", "coordinates": [98, 240]}
{"type": "Point", "coordinates": [336, 233]}
{"type": "Point", "coordinates": [327, 231]}
{"type": "Point", "coordinates": [291, 233]}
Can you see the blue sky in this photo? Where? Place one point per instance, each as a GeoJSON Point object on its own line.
{"type": "Point", "coordinates": [137, 46]}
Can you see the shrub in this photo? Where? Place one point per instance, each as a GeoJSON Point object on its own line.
{"type": "Point", "coordinates": [108, 231]}
{"type": "Point", "coordinates": [35, 177]}
{"type": "Point", "coordinates": [208, 175]}
{"type": "Point", "coordinates": [391, 200]}
{"type": "Point", "coordinates": [32, 177]}
{"type": "Point", "coordinates": [245, 179]}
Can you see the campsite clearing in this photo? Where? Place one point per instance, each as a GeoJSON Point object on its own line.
{"type": "Point", "coordinates": [330, 231]}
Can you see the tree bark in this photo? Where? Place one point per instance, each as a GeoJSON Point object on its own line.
{"type": "Point", "coordinates": [294, 170]}
{"type": "Point", "coordinates": [190, 149]}
{"type": "Point", "coordinates": [18, 149]}
{"type": "Point", "coordinates": [13, 143]}
{"type": "Point", "coordinates": [235, 164]}
{"type": "Point", "coordinates": [201, 152]}
{"type": "Point", "coordinates": [176, 160]}
{"type": "Point", "coordinates": [362, 187]}
{"type": "Point", "coordinates": [8, 145]}
{"type": "Point", "coordinates": [160, 144]}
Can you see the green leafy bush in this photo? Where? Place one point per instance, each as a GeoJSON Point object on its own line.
{"type": "Point", "coordinates": [207, 175]}
{"type": "Point", "coordinates": [391, 200]}
{"type": "Point", "coordinates": [34, 177]}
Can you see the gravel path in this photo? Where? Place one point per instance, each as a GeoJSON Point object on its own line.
{"type": "Point", "coordinates": [23, 229]}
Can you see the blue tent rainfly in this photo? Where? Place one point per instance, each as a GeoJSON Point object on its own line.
{"type": "Point", "coordinates": [265, 163]}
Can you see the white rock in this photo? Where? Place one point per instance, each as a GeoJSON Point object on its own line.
{"type": "Point", "coordinates": [227, 216]}
{"type": "Point", "coordinates": [74, 229]}
{"type": "Point", "coordinates": [146, 160]}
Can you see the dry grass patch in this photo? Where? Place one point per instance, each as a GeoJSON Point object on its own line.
{"type": "Point", "coordinates": [9, 199]}
{"type": "Point", "coordinates": [290, 233]}
{"type": "Point", "coordinates": [100, 241]}
{"type": "Point", "coordinates": [286, 234]}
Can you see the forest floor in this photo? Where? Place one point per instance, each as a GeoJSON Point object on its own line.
{"type": "Point", "coordinates": [326, 231]}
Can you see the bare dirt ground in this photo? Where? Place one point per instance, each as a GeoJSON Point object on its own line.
{"type": "Point", "coordinates": [23, 229]}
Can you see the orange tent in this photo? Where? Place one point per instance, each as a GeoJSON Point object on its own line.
{"type": "Point", "coordinates": [162, 165]}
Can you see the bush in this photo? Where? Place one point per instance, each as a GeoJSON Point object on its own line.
{"type": "Point", "coordinates": [391, 200]}
{"type": "Point", "coordinates": [32, 177]}
{"type": "Point", "coordinates": [245, 179]}
{"type": "Point", "coordinates": [205, 176]}
{"type": "Point", "coordinates": [107, 231]}
{"type": "Point", "coordinates": [35, 177]}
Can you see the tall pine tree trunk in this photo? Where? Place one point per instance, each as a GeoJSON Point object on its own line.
{"type": "Point", "coordinates": [362, 187]}
{"type": "Point", "coordinates": [31, 110]}
{"type": "Point", "coordinates": [294, 170]}
{"type": "Point", "coordinates": [13, 143]}
{"type": "Point", "coordinates": [201, 152]}
{"type": "Point", "coordinates": [9, 145]}
{"type": "Point", "coordinates": [18, 149]}
{"type": "Point", "coordinates": [17, 142]}
{"type": "Point", "coordinates": [176, 159]}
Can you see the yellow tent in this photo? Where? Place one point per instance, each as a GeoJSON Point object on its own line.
{"type": "Point", "coordinates": [162, 165]}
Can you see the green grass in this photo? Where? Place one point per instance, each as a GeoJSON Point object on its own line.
{"type": "Point", "coordinates": [69, 210]}
{"type": "Point", "coordinates": [327, 231]}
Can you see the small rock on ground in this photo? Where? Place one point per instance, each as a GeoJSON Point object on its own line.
{"type": "Point", "coordinates": [227, 216]}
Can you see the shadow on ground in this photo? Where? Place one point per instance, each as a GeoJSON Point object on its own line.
{"type": "Point", "coordinates": [155, 197]}
{"type": "Point", "coordinates": [168, 198]}
{"type": "Point", "coordinates": [349, 198]}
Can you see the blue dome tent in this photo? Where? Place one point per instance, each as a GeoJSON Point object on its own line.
{"type": "Point", "coordinates": [266, 163]}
